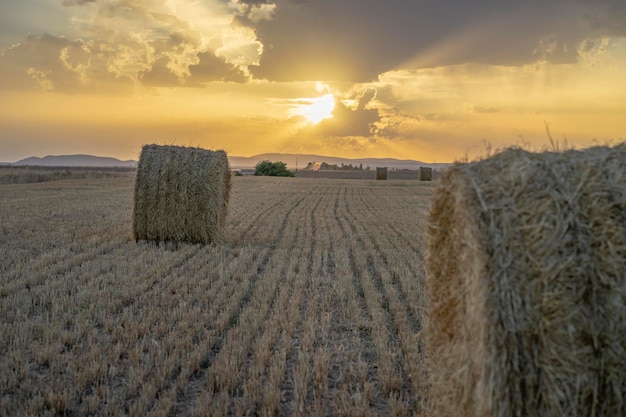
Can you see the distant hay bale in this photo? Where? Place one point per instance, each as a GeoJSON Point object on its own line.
{"type": "Point", "coordinates": [526, 286]}
{"type": "Point", "coordinates": [426, 174]}
{"type": "Point", "coordinates": [181, 194]}
{"type": "Point", "coordinates": [381, 173]}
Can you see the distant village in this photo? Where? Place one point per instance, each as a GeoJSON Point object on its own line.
{"type": "Point", "coordinates": [323, 166]}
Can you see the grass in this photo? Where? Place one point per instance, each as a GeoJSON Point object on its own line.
{"type": "Point", "coordinates": [311, 306]}
{"type": "Point", "coordinates": [25, 174]}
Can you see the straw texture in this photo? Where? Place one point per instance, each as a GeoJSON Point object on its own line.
{"type": "Point", "coordinates": [181, 194]}
{"type": "Point", "coordinates": [526, 286]}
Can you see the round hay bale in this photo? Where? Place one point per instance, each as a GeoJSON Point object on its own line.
{"type": "Point", "coordinates": [381, 173]}
{"type": "Point", "coordinates": [426, 174]}
{"type": "Point", "coordinates": [526, 286]}
{"type": "Point", "coordinates": [181, 194]}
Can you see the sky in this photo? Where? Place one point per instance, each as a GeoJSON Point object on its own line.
{"type": "Point", "coordinates": [432, 80]}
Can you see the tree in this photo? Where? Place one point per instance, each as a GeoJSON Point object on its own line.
{"type": "Point", "coordinates": [272, 169]}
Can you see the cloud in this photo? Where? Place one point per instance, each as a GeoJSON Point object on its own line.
{"type": "Point", "coordinates": [364, 99]}
{"type": "Point", "coordinates": [69, 3]}
{"type": "Point", "coordinates": [127, 43]}
{"type": "Point", "coordinates": [358, 40]}
{"type": "Point", "coordinates": [607, 16]}
{"type": "Point", "coordinates": [47, 62]}
{"type": "Point", "coordinates": [55, 63]}
{"type": "Point", "coordinates": [255, 2]}
{"type": "Point", "coordinates": [254, 11]}
{"type": "Point", "coordinates": [213, 68]}
{"type": "Point", "coordinates": [397, 124]}
{"type": "Point", "coordinates": [555, 52]}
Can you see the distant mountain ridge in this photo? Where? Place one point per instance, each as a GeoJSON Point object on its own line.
{"type": "Point", "coordinates": [76, 161]}
{"type": "Point", "coordinates": [293, 161]}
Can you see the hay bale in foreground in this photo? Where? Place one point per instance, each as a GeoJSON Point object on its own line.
{"type": "Point", "coordinates": [381, 173]}
{"type": "Point", "coordinates": [526, 286]}
{"type": "Point", "coordinates": [181, 194]}
{"type": "Point", "coordinates": [426, 174]}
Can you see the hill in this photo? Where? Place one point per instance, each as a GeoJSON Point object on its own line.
{"type": "Point", "coordinates": [76, 161]}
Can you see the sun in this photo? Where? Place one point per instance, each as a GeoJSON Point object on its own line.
{"type": "Point", "coordinates": [315, 109]}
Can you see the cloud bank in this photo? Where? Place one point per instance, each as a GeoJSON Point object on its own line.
{"type": "Point", "coordinates": [358, 40]}
{"type": "Point", "coordinates": [163, 43]}
{"type": "Point", "coordinates": [187, 43]}
{"type": "Point", "coordinates": [129, 43]}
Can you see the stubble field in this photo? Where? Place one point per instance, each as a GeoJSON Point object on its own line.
{"type": "Point", "coordinates": [312, 305]}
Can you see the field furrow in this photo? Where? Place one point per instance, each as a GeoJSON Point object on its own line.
{"type": "Point", "coordinates": [401, 248]}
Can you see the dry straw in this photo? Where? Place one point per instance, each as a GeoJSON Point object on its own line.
{"type": "Point", "coordinates": [526, 286]}
{"type": "Point", "coordinates": [426, 174]}
{"type": "Point", "coordinates": [181, 194]}
{"type": "Point", "coordinates": [381, 173]}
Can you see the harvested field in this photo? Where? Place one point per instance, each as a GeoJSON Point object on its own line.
{"type": "Point", "coordinates": [311, 305]}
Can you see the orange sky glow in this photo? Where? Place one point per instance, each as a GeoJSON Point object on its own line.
{"type": "Point", "coordinates": [355, 79]}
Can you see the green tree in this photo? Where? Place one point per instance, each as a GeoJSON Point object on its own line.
{"type": "Point", "coordinates": [272, 169]}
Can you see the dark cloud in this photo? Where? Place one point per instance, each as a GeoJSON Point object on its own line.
{"type": "Point", "coordinates": [357, 40]}
{"type": "Point", "coordinates": [54, 63]}
{"type": "Point", "coordinates": [160, 74]}
{"type": "Point", "coordinates": [178, 31]}
{"type": "Point", "coordinates": [47, 62]}
{"type": "Point", "coordinates": [129, 44]}
{"type": "Point", "coordinates": [555, 52]}
{"type": "Point", "coordinates": [209, 68]}
{"type": "Point", "coordinates": [607, 16]}
{"type": "Point", "coordinates": [212, 68]}
{"type": "Point", "coordinates": [255, 2]}
{"type": "Point", "coordinates": [69, 3]}
{"type": "Point", "coordinates": [365, 98]}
